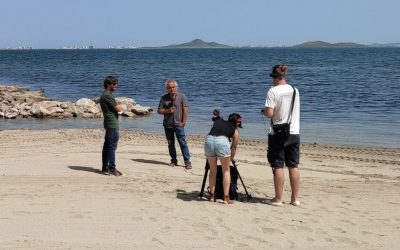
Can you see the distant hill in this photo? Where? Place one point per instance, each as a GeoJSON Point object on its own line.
{"type": "Point", "coordinates": [197, 43]}
{"type": "Point", "coordinates": [321, 44]}
{"type": "Point", "coordinates": [391, 45]}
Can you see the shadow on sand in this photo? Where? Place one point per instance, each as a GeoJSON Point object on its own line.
{"type": "Point", "coordinates": [150, 161]}
{"type": "Point", "coordinates": [86, 169]}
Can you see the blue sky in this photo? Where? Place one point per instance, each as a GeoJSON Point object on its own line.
{"type": "Point", "coordinates": [56, 23]}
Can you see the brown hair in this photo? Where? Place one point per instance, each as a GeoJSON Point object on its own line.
{"type": "Point", "coordinates": [279, 70]}
{"type": "Point", "coordinates": [110, 80]}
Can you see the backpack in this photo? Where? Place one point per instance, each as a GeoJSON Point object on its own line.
{"type": "Point", "coordinates": [219, 189]}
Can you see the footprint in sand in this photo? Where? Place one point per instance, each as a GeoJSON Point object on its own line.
{"type": "Point", "coordinates": [348, 222]}
{"type": "Point", "coordinates": [269, 230]}
{"type": "Point", "coordinates": [340, 230]}
{"type": "Point", "coordinates": [348, 241]}
{"type": "Point", "coordinates": [165, 229]}
{"type": "Point", "coordinates": [21, 213]}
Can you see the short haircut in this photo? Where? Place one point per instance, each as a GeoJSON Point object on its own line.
{"type": "Point", "coordinates": [110, 80]}
{"type": "Point", "coordinates": [171, 81]}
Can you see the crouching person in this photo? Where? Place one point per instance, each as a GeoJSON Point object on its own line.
{"type": "Point", "coordinates": [221, 143]}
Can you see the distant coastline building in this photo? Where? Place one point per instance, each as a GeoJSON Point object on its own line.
{"type": "Point", "coordinates": [18, 48]}
{"type": "Point", "coordinates": [78, 47]}
{"type": "Point", "coordinates": [124, 47]}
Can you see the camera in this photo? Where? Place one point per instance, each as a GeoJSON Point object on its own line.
{"type": "Point", "coordinates": [170, 103]}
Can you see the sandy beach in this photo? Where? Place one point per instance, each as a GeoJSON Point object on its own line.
{"type": "Point", "coordinates": [52, 196]}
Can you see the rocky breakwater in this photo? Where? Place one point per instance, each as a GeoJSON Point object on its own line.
{"type": "Point", "coordinates": [21, 102]}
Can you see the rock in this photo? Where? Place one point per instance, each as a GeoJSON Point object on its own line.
{"type": "Point", "coordinates": [24, 114]}
{"type": "Point", "coordinates": [39, 111]}
{"type": "Point", "coordinates": [140, 110]}
{"type": "Point", "coordinates": [12, 114]}
{"type": "Point", "coordinates": [48, 104]}
{"type": "Point", "coordinates": [85, 102]}
{"type": "Point", "coordinates": [125, 101]}
{"type": "Point", "coordinates": [87, 115]}
{"type": "Point", "coordinates": [92, 109]}
{"type": "Point", "coordinates": [55, 110]}
{"type": "Point", "coordinates": [17, 102]}
{"type": "Point", "coordinates": [128, 114]}
{"type": "Point", "coordinates": [65, 105]}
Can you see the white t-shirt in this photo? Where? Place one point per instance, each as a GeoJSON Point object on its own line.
{"type": "Point", "coordinates": [280, 98]}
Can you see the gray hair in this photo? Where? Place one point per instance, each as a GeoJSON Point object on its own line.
{"type": "Point", "coordinates": [171, 81]}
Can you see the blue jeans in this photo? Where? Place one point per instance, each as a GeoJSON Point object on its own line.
{"type": "Point", "coordinates": [109, 148]}
{"type": "Point", "coordinates": [170, 133]}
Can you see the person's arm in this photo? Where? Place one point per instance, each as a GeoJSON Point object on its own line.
{"type": "Point", "coordinates": [185, 112]}
{"type": "Point", "coordinates": [162, 111]}
{"type": "Point", "coordinates": [118, 108]}
{"type": "Point", "coordinates": [235, 140]}
{"type": "Point", "coordinates": [269, 112]}
{"type": "Point", "coordinates": [270, 104]}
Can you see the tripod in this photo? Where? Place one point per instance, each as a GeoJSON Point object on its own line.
{"type": "Point", "coordinates": [234, 168]}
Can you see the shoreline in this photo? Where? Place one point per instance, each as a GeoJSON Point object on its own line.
{"type": "Point", "coordinates": [188, 134]}
{"type": "Point", "coordinates": [53, 196]}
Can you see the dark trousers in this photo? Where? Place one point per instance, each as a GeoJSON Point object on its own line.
{"type": "Point", "coordinates": [109, 148]}
{"type": "Point", "coordinates": [170, 133]}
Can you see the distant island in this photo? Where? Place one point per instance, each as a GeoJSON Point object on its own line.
{"type": "Point", "coordinates": [200, 44]}
{"type": "Point", "coordinates": [196, 43]}
{"type": "Point", "coordinates": [321, 44]}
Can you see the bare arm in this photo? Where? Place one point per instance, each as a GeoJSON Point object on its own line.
{"type": "Point", "coordinates": [118, 108]}
{"type": "Point", "coordinates": [269, 112]}
{"type": "Point", "coordinates": [185, 112]}
{"type": "Point", "coordinates": [235, 140]}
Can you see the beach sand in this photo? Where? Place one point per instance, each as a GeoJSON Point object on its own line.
{"type": "Point", "coordinates": [52, 196]}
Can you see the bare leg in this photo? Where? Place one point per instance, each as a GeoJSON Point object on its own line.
{"type": "Point", "coordinates": [212, 162]}
{"type": "Point", "coordinates": [294, 176]}
{"type": "Point", "coordinates": [278, 183]}
{"type": "Point", "coordinates": [225, 162]}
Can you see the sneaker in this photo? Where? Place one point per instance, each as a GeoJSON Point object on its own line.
{"type": "Point", "coordinates": [295, 203]}
{"type": "Point", "coordinates": [116, 172]}
{"type": "Point", "coordinates": [106, 172]}
{"type": "Point", "coordinates": [173, 164]}
{"type": "Point", "coordinates": [273, 202]}
{"type": "Point", "coordinates": [188, 165]}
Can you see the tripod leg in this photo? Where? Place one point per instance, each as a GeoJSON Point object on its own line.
{"type": "Point", "coordinates": [237, 171]}
{"type": "Point", "coordinates": [207, 167]}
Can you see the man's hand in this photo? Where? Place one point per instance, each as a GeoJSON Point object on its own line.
{"type": "Point", "coordinates": [171, 110]}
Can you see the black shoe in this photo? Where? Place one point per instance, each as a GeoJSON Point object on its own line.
{"type": "Point", "coordinates": [173, 164]}
{"type": "Point", "coordinates": [188, 165]}
{"type": "Point", "coordinates": [105, 171]}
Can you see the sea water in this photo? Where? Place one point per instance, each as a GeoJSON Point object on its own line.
{"type": "Point", "coordinates": [348, 95]}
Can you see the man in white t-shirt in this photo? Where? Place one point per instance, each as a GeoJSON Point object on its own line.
{"type": "Point", "coordinates": [283, 150]}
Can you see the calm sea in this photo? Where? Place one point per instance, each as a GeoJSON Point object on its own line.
{"type": "Point", "coordinates": [348, 96]}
